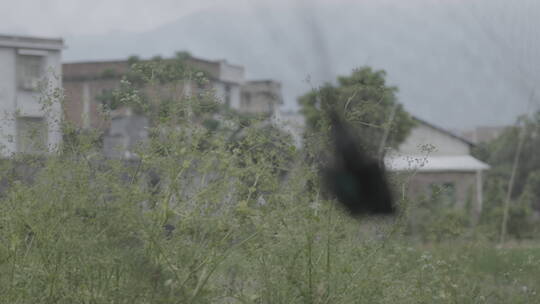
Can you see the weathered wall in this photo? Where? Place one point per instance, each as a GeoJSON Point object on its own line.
{"type": "Point", "coordinates": [261, 97]}
{"type": "Point", "coordinates": [81, 105]}
{"type": "Point", "coordinates": [444, 144]}
{"type": "Point", "coordinates": [83, 82]}
{"type": "Point", "coordinates": [420, 185]}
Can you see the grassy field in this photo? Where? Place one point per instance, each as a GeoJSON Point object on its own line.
{"type": "Point", "coordinates": [221, 228]}
{"type": "Point", "coordinates": [80, 233]}
{"type": "Point", "coordinates": [505, 275]}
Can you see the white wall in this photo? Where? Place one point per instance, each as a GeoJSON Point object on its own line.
{"type": "Point", "coordinates": [54, 78]}
{"type": "Point", "coordinates": [219, 88]}
{"type": "Point", "coordinates": [235, 96]}
{"type": "Point", "coordinates": [235, 92]}
{"type": "Point", "coordinates": [15, 102]}
{"type": "Point", "coordinates": [7, 100]}
{"type": "Point", "coordinates": [231, 73]}
{"type": "Point", "coordinates": [423, 136]}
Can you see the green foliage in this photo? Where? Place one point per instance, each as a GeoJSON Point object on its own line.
{"type": "Point", "coordinates": [75, 140]}
{"type": "Point", "coordinates": [109, 73]}
{"type": "Point", "coordinates": [502, 151]}
{"type": "Point", "coordinates": [144, 79]}
{"type": "Point", "coordinates": [182, 55]}
{"type": "Point", "coordinates": [531, 192]}
{"type": "Point", "coordinates": [133, 59]}
{"type": "Point", "coordinates": [525, 199]}
{"type": "Point", "coordinates": [366, 101]}
{"type": "Point", "coordinates": [436, 219]}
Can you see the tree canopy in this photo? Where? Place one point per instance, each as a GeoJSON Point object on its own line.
{"type": "Point", "coordinates": [500, 154]}
{"type": "Point", "coordinates": [366, 102]}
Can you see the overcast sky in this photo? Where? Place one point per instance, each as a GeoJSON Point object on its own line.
{"type": "Point", "coordinates": [83, 17]}
{"type": "Point", "coordinates": [458, 63]}
{"type": "Point", "coordinates": [61, 17]}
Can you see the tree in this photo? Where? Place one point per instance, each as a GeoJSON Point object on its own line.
{"type": "Point", "coordinates": [366, 102]}
{"type": "Point", "coordinates": [500, 153]}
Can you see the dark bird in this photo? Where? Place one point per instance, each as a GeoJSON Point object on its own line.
{"type": "Point", "coordinates": [358, 181]}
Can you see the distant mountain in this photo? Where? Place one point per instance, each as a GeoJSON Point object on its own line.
{"type": "Point", "coordinates": [456, 64]}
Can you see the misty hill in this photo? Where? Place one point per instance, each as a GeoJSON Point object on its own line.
{"type": "Point", "coordinates": [455, 64]}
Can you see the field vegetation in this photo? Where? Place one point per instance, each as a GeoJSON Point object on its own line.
{"type": "Point", "coordinates": [217, 207]}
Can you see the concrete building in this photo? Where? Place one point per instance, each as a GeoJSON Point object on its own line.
{"type": "Point", "coordinates": [85, 82]}
{"type": "Point", "coordinates": [30, 72]}
{"type": "Point", "coordinates": [436, 160]}
{"type": "Point", "coordinates": [262, 96]}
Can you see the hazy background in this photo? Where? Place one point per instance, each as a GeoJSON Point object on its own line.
{"type": "Point", "coordinates": [457, 63]}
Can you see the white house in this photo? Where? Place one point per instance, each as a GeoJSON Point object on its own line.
{"type": "Point", "coordinates": [438, 160]}
{"type": "Point", "coordinates": [30, 69]}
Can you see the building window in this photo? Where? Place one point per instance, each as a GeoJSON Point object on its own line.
{"type": "Point", "coordinates": [32, 135]}
{"type": "Point", "coordinates": [29, 71]}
